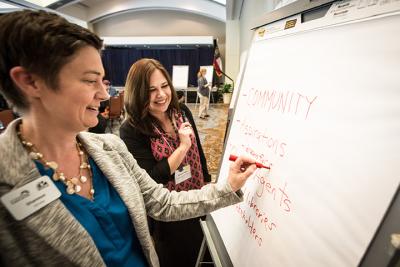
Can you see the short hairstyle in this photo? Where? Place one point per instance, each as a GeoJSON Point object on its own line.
{"type": "Point", "coordinates": [42, 43]}
{"type": "Point", "coordinates": [137, 96]}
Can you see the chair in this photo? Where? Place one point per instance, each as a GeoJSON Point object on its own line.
{"type": "Point", "coordinates": [6, 116]}
{"type": "Point", "coordinates": [121, 97]}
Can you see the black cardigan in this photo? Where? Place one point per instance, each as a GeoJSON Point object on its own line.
{"type": "Point", "coordinates": [140, 147]}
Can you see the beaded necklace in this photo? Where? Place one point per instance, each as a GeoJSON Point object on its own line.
{"type": "Point", "coordinates": [72, 184]}
{"type": "Point", "coordinates": [173, 125]}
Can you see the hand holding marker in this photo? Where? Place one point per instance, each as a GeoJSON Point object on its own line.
{"type": "Point", "coordinates": [258, 164]}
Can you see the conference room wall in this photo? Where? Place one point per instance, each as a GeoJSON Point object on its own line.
{"type": "Point", "coordinates": [162, 23]}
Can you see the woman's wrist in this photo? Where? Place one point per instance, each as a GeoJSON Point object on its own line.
{"type": "Point", "coordinates": [183, 148]}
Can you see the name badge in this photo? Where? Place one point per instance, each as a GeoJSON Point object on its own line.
{"type": "Point", "coordinates": [31, 197]}
{"type": "Point", "coordinates": [182, 174]}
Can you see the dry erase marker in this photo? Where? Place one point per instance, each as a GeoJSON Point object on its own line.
{"type": "Point", "coordinates": [185, 119]}
{"type": "Point", "coordinates": [258, 164]}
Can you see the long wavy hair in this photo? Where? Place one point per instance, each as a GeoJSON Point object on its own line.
{"type": "Point", "coordinates": [137, 97]}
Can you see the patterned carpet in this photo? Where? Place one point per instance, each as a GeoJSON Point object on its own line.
{"type": "Point", "coordinates": [212, 132]}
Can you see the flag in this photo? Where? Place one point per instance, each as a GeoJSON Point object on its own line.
{"type": "Point", "coordinates": [217, 62]}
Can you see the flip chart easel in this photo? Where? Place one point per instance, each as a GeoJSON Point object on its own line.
{"type": "Point", "coordinates": [320, 102]}
{"type": "Point", "coordinates": [180, 77]}
{"type": "Point", "coordinates": [212, 240]}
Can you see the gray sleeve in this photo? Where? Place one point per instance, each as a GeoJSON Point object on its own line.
{"type": "Point", "coordinates": [163, 205]}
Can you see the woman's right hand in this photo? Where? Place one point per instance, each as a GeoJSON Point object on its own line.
{"type": "Point", "coordinates": [177, 157]}
{"type": "Point", "coordinates": [185, 132]}
{"type": "Point", "coordinates": [241, 169]}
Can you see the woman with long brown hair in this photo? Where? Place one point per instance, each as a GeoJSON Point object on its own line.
{"type": "Point", "coordinates": [162, 136]}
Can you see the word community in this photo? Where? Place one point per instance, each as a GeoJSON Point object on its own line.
{"type": "Point", "coordinates": [285, 102]}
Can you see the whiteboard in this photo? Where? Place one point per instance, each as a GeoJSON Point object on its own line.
{"type": "Point", "coordinates": [180, 76]}
{"type": "Point", "coordinates": [209, 74]}
{"type": "Point", "coordinates": [322, 107]}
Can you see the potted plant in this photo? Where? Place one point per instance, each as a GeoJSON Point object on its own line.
{"type": "Point", "coordinates": [226, 91]}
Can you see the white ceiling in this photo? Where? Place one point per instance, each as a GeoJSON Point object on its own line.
{"type": "Point", "coordinates": [97, 10]}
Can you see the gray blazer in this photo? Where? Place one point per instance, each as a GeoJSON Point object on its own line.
{"type": "Point", "coordinates": [53, 237]}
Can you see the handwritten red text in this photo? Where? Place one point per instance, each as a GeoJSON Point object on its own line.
{"type": "Point", "coordinates": [285, 102]}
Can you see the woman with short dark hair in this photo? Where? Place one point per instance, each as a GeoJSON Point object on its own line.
{"type": "Point", "coordinates": [69, 197]}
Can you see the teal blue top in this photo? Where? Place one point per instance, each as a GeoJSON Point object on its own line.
{"type": "Point", "coordinates": [106, 219]}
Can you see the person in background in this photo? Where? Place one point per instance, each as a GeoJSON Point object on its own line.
{"type": "Point", "coordinates": [6, 114]}
{"type": "Point", "coordinates": [181, 96]}
{"type": "Point", "coordinates": [88, 196]}
{"type": "Point", "coordinates": [3, 103]}
{"type": "Point", "coordinates": [203, 91]}
{"type": "Point", "coordinates": [162, 136]}
{"type": "Point", "coordinates": [3, 106]}
{"type": "Point", "coordinates": [104, 110]}
{"type": "Point", "coordinates": [110, 89]}
{"type": "Point", "coordinates": [101, 126]}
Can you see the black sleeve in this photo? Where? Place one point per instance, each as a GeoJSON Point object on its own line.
{"type": "Point", "coordinates": [103, 105]}
{"type": "Point", "coordinates": [140, 147]}
{"type": "Point", "coordinates": [189, 116]}
{"type": "Point", "coordinates": [3, 103]}
{"type": "Point", "coordinates": [101, 125]}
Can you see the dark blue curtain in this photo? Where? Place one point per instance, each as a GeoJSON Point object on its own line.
{"type": "Point", "coordinates": [117, 61]}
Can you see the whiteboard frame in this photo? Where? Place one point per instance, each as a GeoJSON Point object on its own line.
{"type": "Point", "coordinates": [380, 251]}
{"type": "Point", "coordinates": [294, 8]}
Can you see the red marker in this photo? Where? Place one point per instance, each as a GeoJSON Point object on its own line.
{"type": "Point", "coordinates": [258, 164]}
